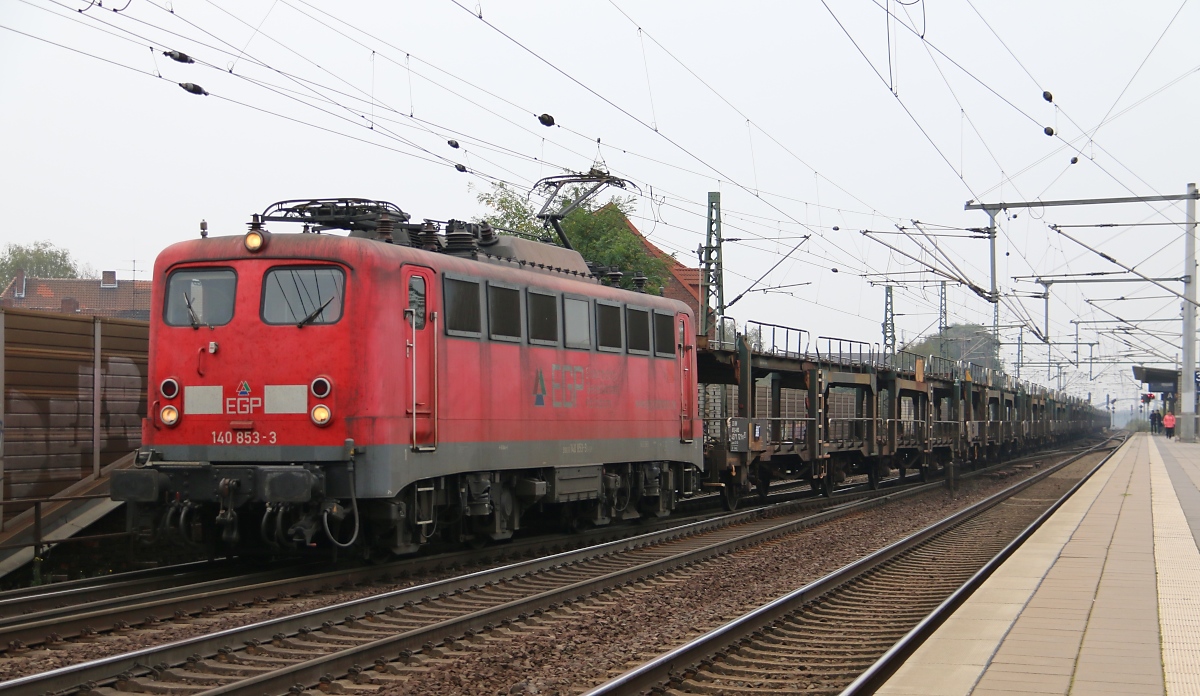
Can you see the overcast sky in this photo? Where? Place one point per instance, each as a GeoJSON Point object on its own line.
{"type": "Point", "coordinates": [806, 116]}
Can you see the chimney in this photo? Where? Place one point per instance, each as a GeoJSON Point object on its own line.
{"type": "Point", "coordinates": [69, 305]}
{"type": "Point", "coordinates": [108, 279]}
{"type": "Point", "coordinates": [19, 284]}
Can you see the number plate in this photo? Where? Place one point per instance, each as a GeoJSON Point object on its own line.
{"type": "Point", "coordinates": [243, 437]}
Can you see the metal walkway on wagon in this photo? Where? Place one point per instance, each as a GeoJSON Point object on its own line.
{"type": "Point", "coordinates": [1102, 599]}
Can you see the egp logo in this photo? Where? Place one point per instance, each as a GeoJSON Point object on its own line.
{"type": "Point", "coordinates": [243, 403]}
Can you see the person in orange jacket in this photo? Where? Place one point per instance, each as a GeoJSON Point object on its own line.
{"type": "Point", "coordinates": [1169, 424]}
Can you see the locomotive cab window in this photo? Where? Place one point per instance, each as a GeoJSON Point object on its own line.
{"type": "Point", "coordinates": [463, 313]}
{"type": "Point", "coordinates": [416, 302]}
{"type": "Point", "coordinates": [200, 297]}
{"type": "Point", "coordinates": [542, 310]}
{"type": "Point", "coordinates": [577, 323]}
{"type": "Point", "coordinates": [637, 330]}
{"type": "Point", "coordinates": [664, 335]}
{"type": "Point", "coordinates": [303, 296]}
{"type": "Point", "coordinates": [504, 312]}
{"type": "Point", "coordinates": [608, 326]}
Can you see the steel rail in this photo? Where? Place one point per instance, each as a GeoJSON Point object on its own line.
{"type": "Point", "coordinates": [60, 591]}
{"type": "Point", "coordinates": [48, 617]}
{"type": "Point", "coordinates": [311, 671]}
{"type": "Point", "coordinates": [659, 670]}
{"type": "Point", "coordinates": [105, 670]}
{"type": "Point", "coordinates": [890, 661]}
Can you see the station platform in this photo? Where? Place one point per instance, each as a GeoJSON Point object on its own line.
{"type": "Point", "coordinates": [1104, 598]}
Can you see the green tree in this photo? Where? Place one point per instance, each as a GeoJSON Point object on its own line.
{"type": "Point", "coordinates": [600, 234]}
{"type": "Point", "coordinates": [512, 214]}
{"type": "Point", "coordinates": [39, 260]}
{"type": "Point", "coordinates": [969, 342]}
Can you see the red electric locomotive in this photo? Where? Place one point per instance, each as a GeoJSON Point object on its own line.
{"type": "Point", "coordinates": [403, 383]}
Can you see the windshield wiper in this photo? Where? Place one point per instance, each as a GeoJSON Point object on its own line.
{"type": "Point", "coordinates": [187, 300]}
{"type": "Point", "coordinates": [315, 313]}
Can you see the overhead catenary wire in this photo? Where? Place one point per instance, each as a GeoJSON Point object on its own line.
{"type": "Point", "coordinates": [369, 102]}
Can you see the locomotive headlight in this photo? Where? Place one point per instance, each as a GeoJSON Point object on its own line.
{"type": "Point", "coordinates": [255, 240]}
{"type": "Point", "coordinates": [169, 415]}
{"type": "Point", "coordinates": [321, 414]}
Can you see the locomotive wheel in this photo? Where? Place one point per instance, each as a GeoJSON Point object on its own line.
{"type": "Point", "coordinates": [731, 494]}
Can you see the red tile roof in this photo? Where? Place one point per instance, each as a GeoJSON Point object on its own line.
{"type": "Point", "coordinates": [688, 277]}
{"type": "Point", "coordinates": [129, 299]}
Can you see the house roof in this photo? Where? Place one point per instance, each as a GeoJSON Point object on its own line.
{"type": "Point", "coordinates": [130, 298]}
{"type": "Point", "coordinates": [688, 277]}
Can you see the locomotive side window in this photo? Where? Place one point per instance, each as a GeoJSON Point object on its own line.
{"type": "Point", "coordinates": [416, 301]}
{"type": "Point", "coordinates": [200, 297]}
{"type": "Point", "coordinates": [462, 308]}
{"type": "Point", "coordinates": [577, 324]}
{"type": "Point", "coordinates": [543, 318]}
{"type": "Point", "coordinates": [303, 295]}
{"type": "Point", "coordinates": [504, 312]}
{"type": "Point", "coordinates": [608, 327]}
{"type": "Point", "coordinates": [637, 330]}
{"type": "Point", "coordinates": [664, 335]}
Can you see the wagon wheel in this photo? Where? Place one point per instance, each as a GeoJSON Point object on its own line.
{"type": "Point", "coordinates": [731, 493]}
{"type": "Point", "coordinates": [827, 484]}
{"type": "Point", "coordinates": [873, 477]}
{"type": "Point", "coordinates": [762, 485]}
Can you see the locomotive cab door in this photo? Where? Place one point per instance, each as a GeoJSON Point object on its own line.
{"type": "Point", "coordinates": [421, 354]}
{"type": "Point", "coordinates": [687, 391]}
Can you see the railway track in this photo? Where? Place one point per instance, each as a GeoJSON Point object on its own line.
{"type": "Point", "coordinates": [427, 613]}
{"type": "Point", "coordinates": [59, 613]}
{"type": "Point", "coordinates": [391, 625]}
{"type": "Point", "coordinates": [846, 632]}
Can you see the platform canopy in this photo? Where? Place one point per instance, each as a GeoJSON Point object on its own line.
{"type": "Point", "coordinates": [1157, 379]}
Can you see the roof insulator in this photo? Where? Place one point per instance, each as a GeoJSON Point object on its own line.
{"type": "Point", "coordinates": [178, 56]}
{"type": "Point", "coordinates": [546, 120]}
{"type": "Point", "coordinates": [193, 88]}
{"type": "Point", "coordinates": [452, 143]}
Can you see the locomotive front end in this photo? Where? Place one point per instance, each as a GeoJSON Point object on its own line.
{"type": "Point", "coordinates": [246, 433]}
